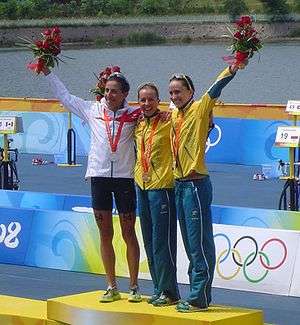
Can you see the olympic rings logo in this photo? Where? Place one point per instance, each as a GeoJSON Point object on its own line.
{"type": "Point", "coordinates": [243, 264]}
{"type": "Point", "coordinates": [209, 142]}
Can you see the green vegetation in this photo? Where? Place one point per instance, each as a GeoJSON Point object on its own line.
{"type": "Point", "coordinates": [40, 9]}
{"type": "Point", "coordinates": [234, 8]}
{"type": "Point", "coordinates": [295, 33]}
{"type": "Point", "coordinates": [277, 10]}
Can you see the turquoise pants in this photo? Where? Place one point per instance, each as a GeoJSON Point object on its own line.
{"type": "Point", "coordinates": [193, 203]}
{"type": "Point", "coordinates": [159, 228]}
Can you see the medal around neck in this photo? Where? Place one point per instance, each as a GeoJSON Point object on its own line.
{"type": "Point", "coordinates": [146, 177]}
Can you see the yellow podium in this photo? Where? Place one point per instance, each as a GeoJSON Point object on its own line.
{"type": "Point", "coordinates": [85, 309]}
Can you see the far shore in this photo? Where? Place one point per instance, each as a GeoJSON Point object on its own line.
{"type": "Point", "coordinates": [111, 35]}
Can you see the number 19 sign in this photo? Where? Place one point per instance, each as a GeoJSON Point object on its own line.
{"type": "Point", "coordinates": [287, 136]}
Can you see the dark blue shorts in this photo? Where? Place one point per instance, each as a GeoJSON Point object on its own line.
{"type": "Point", "coordinates": [103, 190]}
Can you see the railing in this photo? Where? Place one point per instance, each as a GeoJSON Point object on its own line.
{"type": "Point", "coordinates": [225, 110]}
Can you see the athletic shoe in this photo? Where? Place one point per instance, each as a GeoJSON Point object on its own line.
{"type": "Point", "coordinates": [185, 307]}
{"type": "Point", "coordinates": [134, 295]}
{"type": "Point", "coordinates": [152, 298]}
{"type": "Point", "coordinates": [163, 301]}
{"type": "Point", "coordinates": [110, 295]}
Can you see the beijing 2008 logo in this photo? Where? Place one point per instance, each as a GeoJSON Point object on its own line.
{"type": "Point", "coordinates": [258, 254]}
{"type": "Point", "coordinates": [213, 139]}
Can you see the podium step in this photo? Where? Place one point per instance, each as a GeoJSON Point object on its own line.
{"type": "Point", "coordinates": [85, 309]}
{"type": "Point", "coordinates": [21, 311]}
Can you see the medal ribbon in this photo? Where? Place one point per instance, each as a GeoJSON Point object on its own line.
{"type": "Point", "coordinates": [114, 142]}
{"type": "Point", "coordinates": [146, 148]}
{"type": "Point", "coordinates": [176, 141]}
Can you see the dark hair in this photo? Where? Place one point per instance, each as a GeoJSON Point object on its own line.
{"type": "Point", "coordinates": [187, 81]}
{"type": "Point", "coordinates": [117, 76]}
{"type": "Point", "coordinates": [149, 85]}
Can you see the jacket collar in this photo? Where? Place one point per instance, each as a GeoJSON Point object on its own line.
{"type": "Point", "coordinates": [120, 111]}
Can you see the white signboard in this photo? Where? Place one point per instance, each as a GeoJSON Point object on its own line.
{"type": "Point", "coordinates": [287, 136]}
{"type": "Point", "coordinates": [293, 107]}
{"type": "Point", "coordinates": [295, 287]}
{"type": "Point", "coordinates": [10, 124]}
{"type": "Point", "coordinates": [250, 259]}
{"type": "Point", "coordinates": [255, 259]}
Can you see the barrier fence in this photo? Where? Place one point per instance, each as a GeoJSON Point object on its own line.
{"type": "Point", "coordinates": [256, 249]}
{"type": "Point", "coordinates": [249, 127]}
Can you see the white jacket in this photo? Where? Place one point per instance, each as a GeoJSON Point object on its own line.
{"type": "Point", "coordinates": [100, 161]}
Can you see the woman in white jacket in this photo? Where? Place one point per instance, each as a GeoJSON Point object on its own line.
{"type": "Point", "coordinates": [110, 166]}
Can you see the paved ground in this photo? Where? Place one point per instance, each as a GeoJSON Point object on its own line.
{"type": "Point", "coordinates": [233, 184]}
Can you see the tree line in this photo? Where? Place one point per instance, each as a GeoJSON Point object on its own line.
{"type": "Point", "coordinates": [277, 10]}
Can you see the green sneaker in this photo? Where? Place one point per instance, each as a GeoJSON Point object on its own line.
{"type": "Point", "coordinates": [134, 295]}
{"type": "Point", "coordinates": [185, 307]}
{"type": "Point", "coordinates": [163, 301]}
{"type": "Point", "coordinates": [110, 295]}
{"type": "Point", "coordinates": [152, 298]}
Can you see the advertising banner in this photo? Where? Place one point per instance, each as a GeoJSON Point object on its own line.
{"type": "Point", "coordinates": [233, 140]}
{"type": "Point", "coordinates": [247, 257]}
{"type": "Point", "coordinates": [295, 287]}
{"type": "Point", "coordinates": [254, 259]}
{"type": "Point", "coordinates": [68, 240]}
{"type": "Point", "coordinates": [258, 218]}
{"type": "Point", "coordinates": [15, 230]}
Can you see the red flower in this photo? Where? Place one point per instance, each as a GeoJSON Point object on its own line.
{"type": "Point", "coordinates": [102, 79]}
{"type": "Point", "coordinates": [244, 21]}
{"type": "Point", "coordinates": [115, 68]}
{"type": "Point", "coordinates": [56, 30]}
{"type": "Point", "coordinates": [37, 66]}
{"type": "Point", "coordinates": [46, 49]}
{"type": "Point", "coordinates": [40, 65]}
{"type": "Point", "coordinates": [39, 44]}
{"type": "Point", "coordinates": [255, 40]}
{"type": "Point", "coordinates": [240, 57]}
{"type": "Point", "coordinates": [250, 32]}
{"type": "Point", "coordinates": [244, 41]}
{"type": "Point", "coordinates": [238, 35]}
{"type": "Point", "coordinates": [107, 71]}
{"type": "Point", "coordinates": [45, 45]}
{"type": "Point", "coordinates": [57, 40]}
{"type": "Point", "coordinates": [47, 32]}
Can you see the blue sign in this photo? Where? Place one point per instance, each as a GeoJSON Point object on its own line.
{"type": "Point", "coordinates": [246, 142]}
{"type": "Point", "coordinates": [15, 230]}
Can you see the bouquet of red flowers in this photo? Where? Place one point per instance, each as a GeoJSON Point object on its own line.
{"type": "Point", "coordinates": [99, 90]}
{"type": "Point", "coordinates": [45, 50]}
{"type": "Point", "coordinates": [245, 41]}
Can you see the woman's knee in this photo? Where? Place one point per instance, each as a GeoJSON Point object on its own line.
{"type": "Point", "coordinates": [128, 234]}
{"type": "Point", "coordinates": [104, 223]}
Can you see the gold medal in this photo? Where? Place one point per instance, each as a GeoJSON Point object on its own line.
{"type": "Point", "coordinates": [146, 177]}
{"type": "Point", "coordinates": [174, 164]}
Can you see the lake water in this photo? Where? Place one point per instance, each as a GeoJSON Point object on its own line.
{"type": "Point", "coordinates": [271, 77]}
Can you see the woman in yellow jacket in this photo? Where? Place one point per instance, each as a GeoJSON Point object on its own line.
{"type": "Point", "coordinates": [156, 201]}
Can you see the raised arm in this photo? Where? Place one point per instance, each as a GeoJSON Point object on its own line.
{"type": "Point", "coordinates": [222, 80]}
{"type": "Point", "coordinates": [74, 104]}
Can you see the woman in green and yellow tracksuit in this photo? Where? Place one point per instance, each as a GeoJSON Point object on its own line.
{"type": "Point", "coordinates": [193, 190]}
{"type": "Point", "coordinates": [156, 201]}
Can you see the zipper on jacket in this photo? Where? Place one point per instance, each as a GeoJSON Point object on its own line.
{"type": "Point", "coordinates": [144, 136]}
{"type": "Point", "coordinates": [113, 136]}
